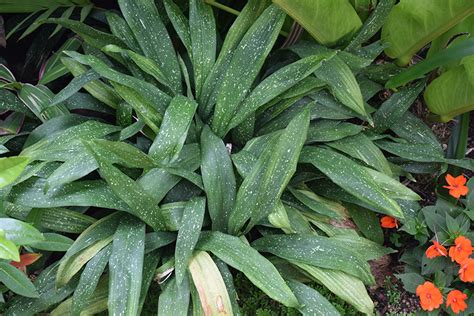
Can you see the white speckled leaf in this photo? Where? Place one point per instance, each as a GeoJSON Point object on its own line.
{"type": "Point", "coordinates": [317, 251]}
{"type": "Point", "coordinates": [245, 65]}
{"type": "Point", "coordinates": [89, 280]}
{"type": "Point", "coordinates": [261, 272]}
{"type": "Point", "coordinates": [331, 130]}
{"type": "Point", "coordinates": [263, 186]}
{"type": "Point", "coordinates": [312, 303]}
{"type": "Point", "coordinates": [143, 18]}
{"type": "Point", "coordinates": [53, 242]}
{"type": "Point", "coordinates": [126, 267]}
{"type": "Point", "coordinates": [188, 235]}
{"type": "Point", "coordinates": [17, 281]}
{"type": "Point", "coordinates": [119, 27]}
{"type": "Point", "coordinates": [180, 23]}
{"type": "Point", "coordinates": [173, 130]}
{"type": "Point", "coordinates": [174, 299]}
{"type": "Point", "coordinates": [275, 84]}
{"type": "Point", "coordinates": [352, 177]}
{"type": "Point", "coordinates": [218, 178]}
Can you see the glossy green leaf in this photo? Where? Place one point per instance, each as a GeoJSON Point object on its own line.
{"type": "Point", "coordinates": [173, 130]}
{"type": "Point", "coordinates": [89, 280]}
{"type": "Point", "coordinates": [16, 281]}
{"type": "Point", "coordinates": [351, 177]}
{"type": "Point", "coordinates": [331, 130]}
{"type": "Point", "coordinates": [174, 299]}
{"type": "Point", "coordinates": [261, 189]}
{"type": "Point", "coordinates": [180, 23]}
{"type": "Point", "coordinates": [367, 221]}
{"type": "Point", "coordinates": [143, 18]}
{"type": "Point", "coordinates": [218, 178]}
{"type": "Point", "coordinates": [188, 235]}
{"type": "Point", "coordinates": [317, 251]}
{"type": "Point", "coordinates": [245, 65]}
{"type": "Point", "coordinates": [8, 250]}
{"type": "Point", "coordinates": [451, 94]}
{"type": "Point", "coordinates": [210, 285]}
{"type": "Point", "coordinates": [37, 99]}
{"type": "Point", "coordinates": [119, 27]}
{"type": "Point", "coordinates": [37, 22]}
{"type": "Point", "coordinates": [54, 69]}
{"type": "Point", "coordinates": [312, 303]}
{"type": "Point", "coordinates": [126, 267]}
{"type": "Point", "coordinates": [11, 168]}
{"type": "Point", "coordinates": [19, 232]}
{"type": "Point", "coordinates": [246, 259]}
{"type": "Point", "coordinates": [202, 33]}
{"type": "Point", "coordinates": [345, 286]}
{"type": "Point", "coordinates": [6, 74]}
{"type": "Point", "coordinates": [53, 242]}
{"type": "Point", "coordinates": [452, 53]}
{"type": "Point", "coordinates": [328, 21]}
{"type": "Point", "coordinates": [413, 24]}
{"type": "Point", "coordinates": [65, 15]}
{"type": "Point", "coordinates": [392, 187]}
{"type": "Point", "coordinates": [74, 86]}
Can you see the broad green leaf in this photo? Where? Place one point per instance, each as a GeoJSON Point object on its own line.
{"type": "Point", "coordinates": [188, 235]}
{"type": "Point", "coordinates": [89, 280]}
{"type": "Point", "coordinates": [331, 130]}
{"type": "Point", "coordinates": [143, 18]}
{"type": "Point", "coordinates": [275, 84]}
{"type": "Point", "coordinates": [173, 130]}
{"type": "Point", "coordinates": [422, 152]}
{"type": "Point", "coordinates": [8, 250]}
{"type": "Point", "coordinates": [141, 204]}
{"type": "Point", "coordinates": [361, 147]}
{"type": "Point", "coordinates": [126, 267]}
{"type": "Point", "coordinates": [239, 28]}
{"type": "Point", "coordinates": [393, 109]}
{"type": "Point", "coordinates": [454, 52]}
{"type": "Point", "coordinates": [218, 178]}
{"type": "Point", "coordinates": [318, 204]}
{"type": "Point", "coordinates": [11, 168]}
{"type": "Point", "coordinates": [70, 265]}
{"type": "Point", "coordinates": [211, 287]}
{"type": "Point", "coordinates": [9, 101]}
{"type": "Point", "coordinates": [202, 27]}
{"type": "Point", "coordinates": [345, 286]}
{"type": "Point", "coordinates": [413, 24]}
{"type": "Point", "coordinates": [312, 303]}
{"type": "Point", "coordinates": [317, 251]}
{"type": "Point", "coordinates": [367, 249]}
{"type": "Point", "coordinates": [352, 177]}
{"type": "Point", "coordinates": [53, 242]}
{"type": "Point", "coordinates": [73, 87]}
{"type": "Point", "coordinates": [229, 283]}
{"type": "Point", "coordinates": [451, 94]}
{"type": "Point", "coordinates": [392, 187]}
{"type": "Point", "coordinates": [261, 189]}
{"type": "Point", "coordinates": [245, 65]}
{"type": "Point", "coordinates": [246, 259]}
{"type": "Point", "coordinates": [149, 272]}
{"type": "Point", "coordinates": [16, 281]}
{"type": "Point", "coordinates": [174, 299]}
{"type": "Point", "coordinates": [19, 232]}
{"type": "Point", "coordinates": [337, 74]}
{"type": "Point", "coordinates": [328, 21]}
{"type": "Point", "coordinates": [6, 74]}
{"type": "Point", "coordinates": [90, 35]}
{"type": "Point", "coordinates": [372, 25]}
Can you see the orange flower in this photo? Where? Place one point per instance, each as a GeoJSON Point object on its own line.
{"type": "Point", "coordinates": [388, 222]}
{"type": "Point", "coordinates": [456, 300]}
{"type": "Point", "coordinates": [26, 260]}
{"type": "Point", "coordinates": [430, 296]}
{"type": "Point", "coordinates": [436, 250]}
{"type": "Point", "coordinates": [461, 250]}
{"type": "Point", "coordinates": [456, 185]}
{"type": "Point", "coordinates": [466, 272]}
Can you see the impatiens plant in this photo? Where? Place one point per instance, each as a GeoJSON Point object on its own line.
{"type": "Point", "coordinates": [177, 158]}
{"type": "Point", "coordinates": [446, 260]}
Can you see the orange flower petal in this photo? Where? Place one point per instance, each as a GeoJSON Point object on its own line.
{"type": "Point", "coordinates": [430, 296]}
{"type": "Point", "coordinates": [456, 300]}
